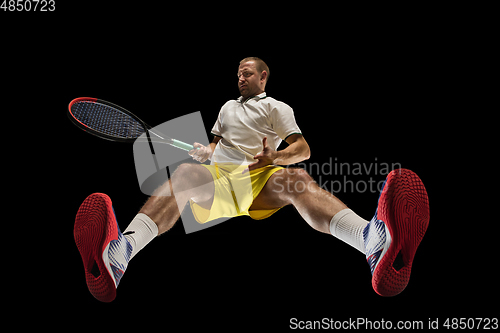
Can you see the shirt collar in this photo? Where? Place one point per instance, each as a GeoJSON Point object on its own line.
{"type": "Point", "coordinates": [256, 97]}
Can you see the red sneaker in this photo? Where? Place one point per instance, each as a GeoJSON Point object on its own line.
{"type": "Point", "coordinates": [104, 250]}
{"type": "Point", "coordinates": [393, 235]}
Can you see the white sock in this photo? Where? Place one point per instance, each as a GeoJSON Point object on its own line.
{"type": "Point", "coordinates": [347, 226]}
{"type": "Point", "coordinates": [140, 232]}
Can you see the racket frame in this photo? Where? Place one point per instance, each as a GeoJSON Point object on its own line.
{"type": "Point", "coordinates": [158, 137]}
{"type": "Point", "coordinates": [90, 130]}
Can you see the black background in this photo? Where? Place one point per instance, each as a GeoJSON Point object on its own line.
{"type": "Point", "coordinates": [362, 87]}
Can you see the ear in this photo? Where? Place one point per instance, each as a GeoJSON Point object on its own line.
{"type": "Point", "coordinates": [263, 76]}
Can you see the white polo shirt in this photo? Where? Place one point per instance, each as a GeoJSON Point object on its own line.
{"type": "Point", "coordinates": [243, 125]}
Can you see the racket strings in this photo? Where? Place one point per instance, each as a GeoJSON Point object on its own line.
{"type": "Point", "coordinates": [106, 119]}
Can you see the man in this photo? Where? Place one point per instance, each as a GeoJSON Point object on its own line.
{"type": "Point", "coordinates": [244, 179]}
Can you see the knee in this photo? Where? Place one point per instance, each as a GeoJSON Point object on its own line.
{"type": "Point", "coordinates": [188, 175]}
{"type": "Point", "coordinates": [184, 171]}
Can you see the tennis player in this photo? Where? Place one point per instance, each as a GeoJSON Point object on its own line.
{"type": "Point", "coordinates": [245, 177]}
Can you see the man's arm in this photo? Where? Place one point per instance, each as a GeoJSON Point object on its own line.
{"type": "Point", "coordinates": [297, 151]}
{"type": "Point", "coordinates": [204, 152]}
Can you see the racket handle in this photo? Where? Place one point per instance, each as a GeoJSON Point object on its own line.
{"type": "Point", "coordinates": [182, 145]}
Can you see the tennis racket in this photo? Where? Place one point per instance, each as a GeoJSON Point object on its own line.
{"type": "Point", "coordinates": [112, 122]}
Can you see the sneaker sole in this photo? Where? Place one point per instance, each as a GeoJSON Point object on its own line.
{"type": "Point", "coordinates": [95, 228]}
{"type": "Point", "coordinates": [404, 207]}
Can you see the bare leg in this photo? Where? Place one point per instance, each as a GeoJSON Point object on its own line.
{"type": "Point", "coordinates": [189, 181]}
{"type": "Point", "coordinates": [294, 186]}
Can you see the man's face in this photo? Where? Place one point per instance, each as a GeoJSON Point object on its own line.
{"type": "Point", "coordinates": [250, 81]}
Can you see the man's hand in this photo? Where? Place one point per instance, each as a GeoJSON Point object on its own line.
{"type": "Point", "coordinates": [265, 157]}
{"type": "Point", "coordinates": [200, 152]}
{"type": "Point", "coordinates": [297, 151]}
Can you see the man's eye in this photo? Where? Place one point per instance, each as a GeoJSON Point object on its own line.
{"type": "Point", "coordinates": [245, 74]}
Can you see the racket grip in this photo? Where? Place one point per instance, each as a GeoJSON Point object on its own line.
{"type": "Point", "coordinates": [182, 145]}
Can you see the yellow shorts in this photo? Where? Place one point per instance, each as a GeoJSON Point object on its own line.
{"type": "Point", "coordinates": [235, 192]}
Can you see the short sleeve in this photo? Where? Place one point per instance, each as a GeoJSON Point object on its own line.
{"type": "Point", "coordinates": [283, 121]}
{"type": "Point", "coordinates": [217, 129]}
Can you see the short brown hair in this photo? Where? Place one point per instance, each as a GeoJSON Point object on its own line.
{"type": "Point", "coordinates": [259, 64]}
